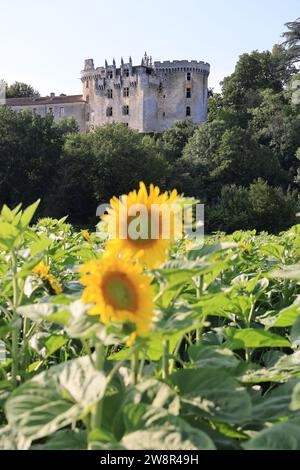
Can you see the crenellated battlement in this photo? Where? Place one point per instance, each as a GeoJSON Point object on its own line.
{"type": "Point", "coordinates": [90, 72]}
{"type": "Point", "coordinates": [182, 66]}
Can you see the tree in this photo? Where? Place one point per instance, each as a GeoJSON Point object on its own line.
{"type": "Point", "coordinates": [253, 73]}
{"type": "Point", "coordinates": [292, 40]}
{"type": "Point", "coordinates": [260, 207]}
{"type": "Point", "coordinates": [73, 190]}
{"type": "Point", "coordinates": [276, 125]}
{"type": "Point", "coordinates": [256, 100]}
{"type": "Point", "coordinates": [219, 111]}
{"type": "Point", "coordinates": [122, 158]}
{"type": "Point", "coordinates": [174, 139]}
{"type": "Point", "coordinates": [272, 209]}
{"type": "Point", "coordinates": [230, 212]}
{"type": "Point", "coordinates": [281, 63]}
{"type": "Point", "coordinates": [30, 148]}
{"type": "Point", "coordinates": [218, 155]}
{"type": "Point", "coordinates": [21, 90]}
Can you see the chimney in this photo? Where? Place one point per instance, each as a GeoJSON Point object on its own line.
{"type": "Point", "coordinates": [89, 64]}
{"type": "Point", "coordinates": [52, 95]}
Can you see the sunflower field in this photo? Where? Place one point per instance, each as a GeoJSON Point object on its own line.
{"type": "Point", "coordinates": [114, 345]}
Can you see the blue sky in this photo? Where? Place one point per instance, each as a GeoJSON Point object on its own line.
{"type": "Point", "coordinates": [45, 42]}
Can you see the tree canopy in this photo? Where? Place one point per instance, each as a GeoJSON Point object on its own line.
{"type": "Point", "coordinates": [292, 40]}
{"type": "Point", "coordinates": [20, 90]}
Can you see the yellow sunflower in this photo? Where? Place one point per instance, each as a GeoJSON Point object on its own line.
{"type": "Point", "coordinates": [55, 284]}
{"type": "Point", "coordinates": [86, 235]}
{"type": "Point", "coordinates": [41, 269]}
{"type": "Point", "coordinates": [43, 272]}
{"type": "Point", "coordinates": [118, 291]}
{"type": "Point", "coordinates": [247, 248]}
{"type": "Point", "coordinates": [144, 224]}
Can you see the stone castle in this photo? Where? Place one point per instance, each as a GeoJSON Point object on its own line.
{"type": "Point", "coordinates": [149, 97]}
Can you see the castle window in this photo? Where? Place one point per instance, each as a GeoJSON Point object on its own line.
{"type": "Point", "coordinates": [125, 110]}
{"type": "Point", "coordinates": [109, 93]}
{"type": "Point", "coordinates": [109, 111]}
{"type": "Point", "coordinates": [61, 111]}
{"type": "Point", "coordinates": [50, 110]}
{"type": "Point", "coordinates": [188, 76]}
{"type": "Point", "coordinates": [188, 111]}
{"type": "Point", "coordinates": [188, 92]}
{"type": "Point", "coordinates": [126, 72]}
{"type": "Point", "coordinates": [87, 116]}
{"type": "Point", "coordinates": [87, 99]}
{"type": "Point", "coordinates": [87, 84]}
{"type": "Point", "coordinates": [164, 114]}
{"type": "Point", "coordinates": [126, 92]}
{"type": "Point", "coordinates": [109, 74]}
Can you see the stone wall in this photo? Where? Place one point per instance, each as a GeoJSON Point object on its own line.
{"type": "Point", "coordinates": [157, 93]}
{"type": "Point", "coordinates": [60, 110]}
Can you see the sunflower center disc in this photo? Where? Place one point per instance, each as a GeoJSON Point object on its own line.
{"type": "Point", "coordinates": [119, 292]}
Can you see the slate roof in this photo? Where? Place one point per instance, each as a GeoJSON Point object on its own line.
{"type": "Point", "coordinates": [36, 101]}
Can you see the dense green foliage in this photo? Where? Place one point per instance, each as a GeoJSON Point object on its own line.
{"type": "Point", "coordinates": [260, 205]}
{"type": "Point", "coordinates": [30, 149]}
{"type": "Point", "coordinates": [20, 90]}
{"type": "Point", "coordinates": [219, 371]}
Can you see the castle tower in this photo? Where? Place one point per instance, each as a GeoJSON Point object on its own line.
{"type": "Point", "coordinates": [149, 97]}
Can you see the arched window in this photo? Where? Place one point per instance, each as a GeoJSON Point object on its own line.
{"type": "Point", "coordinates": [109, 111]}
{"type": "Point", "coordinates": [188, 111]}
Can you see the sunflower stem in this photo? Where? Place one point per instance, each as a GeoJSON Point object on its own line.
{"type": "Point", "coordinates": [16, 330]}
{"type": "Point", "coordinates": [175, 353]}
{"type": "Point", "coordinates": [99, 364]}
{"type": "Point", "coordinates": [141, 366]}
{"type": "Point", "coordinates": [165, 360]}
{"type": "Point", "coordinates": [199, 292]}
{"type": "Point", "coordinates": [134, 366]}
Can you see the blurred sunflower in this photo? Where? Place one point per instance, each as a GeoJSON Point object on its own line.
{"type": "Point", "coordinates": [119, 292]}
{"type": "Point", "coordinates": [55, 284]}
{"type": "Point", "coordinates": [247, 248]}
{"type": "Point", "coordinates": [144, 223]}
{"type": "Point", "coordinates": [42, 270]}
{"type": "Point", "coordinates": [86, 235]}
